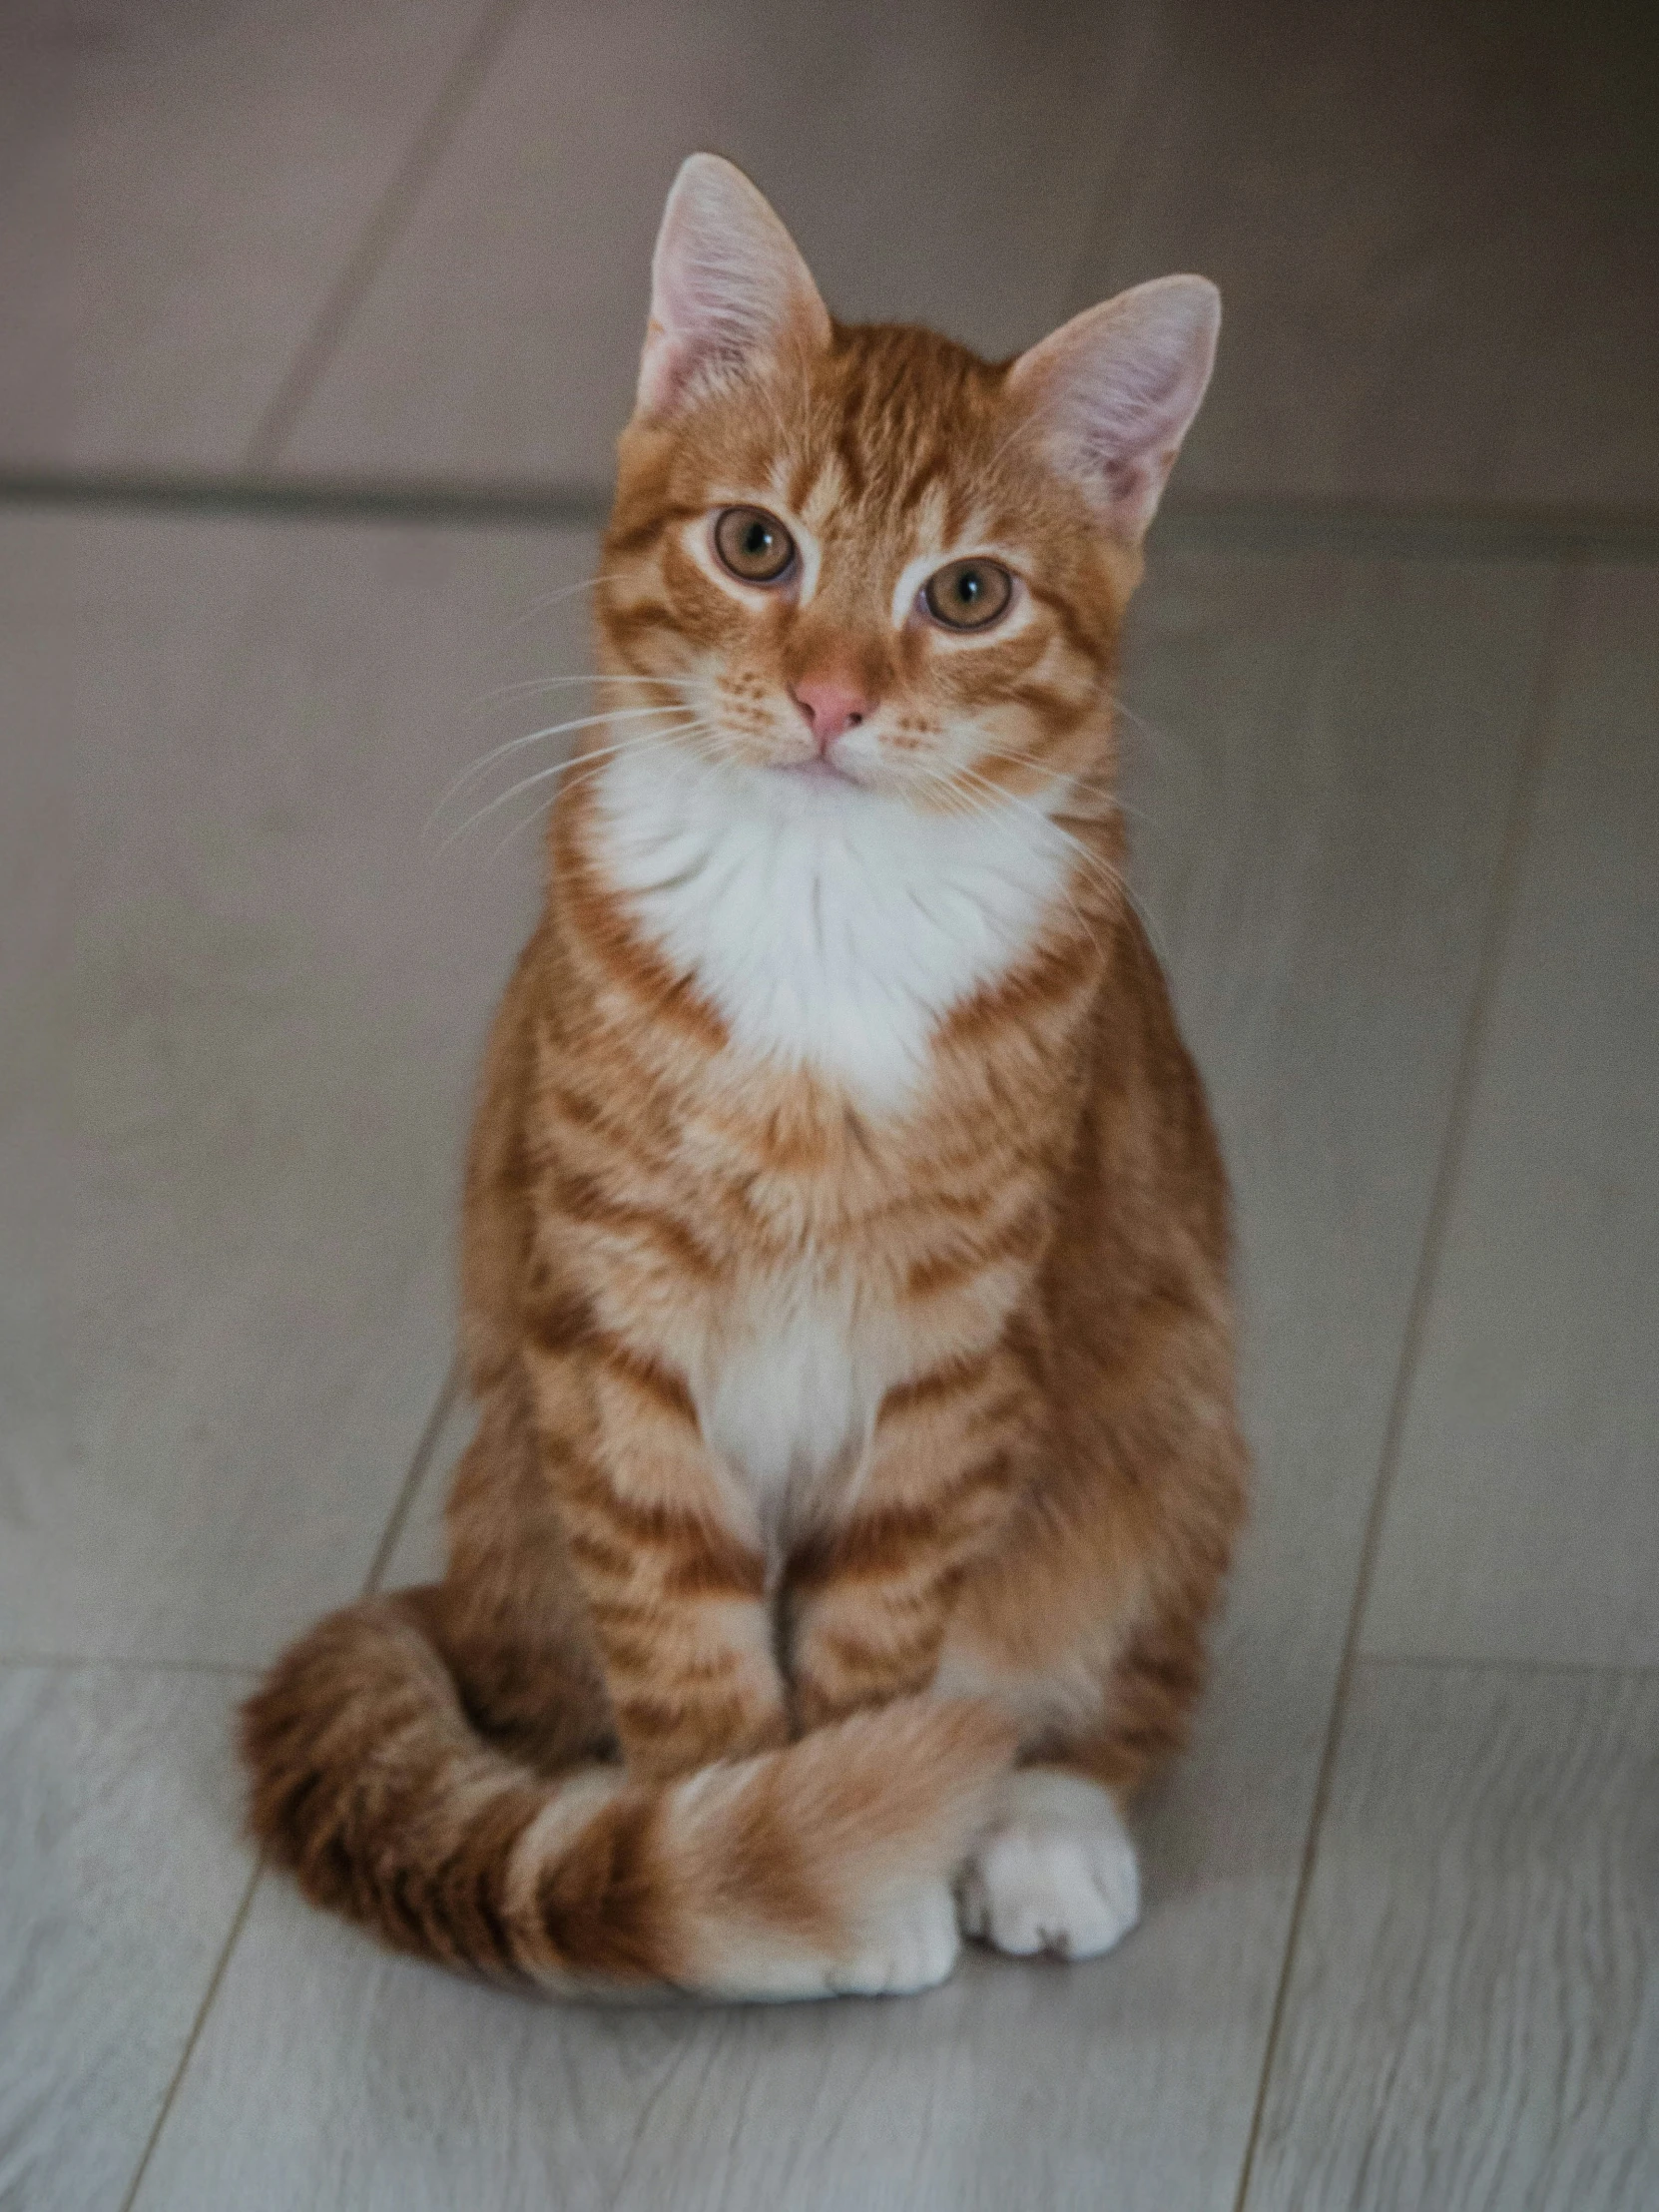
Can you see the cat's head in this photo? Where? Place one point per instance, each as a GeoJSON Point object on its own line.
{"type": "Point", "coordinates": [861, 557]}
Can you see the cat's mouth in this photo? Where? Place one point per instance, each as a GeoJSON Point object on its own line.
{"type": "Point", "coordinates": [818, 769]}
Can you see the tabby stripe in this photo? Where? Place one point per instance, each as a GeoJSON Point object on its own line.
{"type": "Point", "coordinates": [628, 625]}
{"type": "Point", "coordinates": [921, 481]}
{"type": "Point", "coordinates": [558, 1320]}
{"type": "Point", "coordinates": [615, 1138]}
{"type": "Point", "coordinates": [848, 1654]}
{"type": "Point", "coordinates": [1062, 971]}
{"type": "Point", "coordinates": [852, 465]}
{"type": "Point", "coordinates": [598, 1550]}
{"type": "Point", "coordinates": [605, 1899]}
{"type": "Point", "coordinates": [649, 1377]}
{"type": "Point", "coordinates": [708, 1558]}
{"type": "Point", "coordinates": [876, 1546]}
{"type": "Point", "coordinates": [634, 537]}
{"type": "Point", "coordinates": [705, 1572]}
{"type": "Point", "coordinates": [952, 1378]}
{"type": "Point", "coordinates": [708, 1667]}
{"type": "Point", "coordinates": [1082, 641]}
{"type": "Point", "coordinates": [948, 1270]}
{"type": "Point", "coordinates": [582, 1199]}
{"type": "Point", "coordinates": [665, 1717]}
{"type": "Point", "coordinates": [1063, 715]}
{"type": "Point", "coordinates": [465, 1902]}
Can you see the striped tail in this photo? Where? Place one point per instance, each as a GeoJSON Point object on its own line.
{"type": "Point", "coordinates": [818, 1869]}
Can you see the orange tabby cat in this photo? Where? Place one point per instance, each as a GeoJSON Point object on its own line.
{"type": "Point", "coordinates": [845, 1244]}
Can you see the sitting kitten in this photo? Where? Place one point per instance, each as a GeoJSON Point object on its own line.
{"type": "Point", "coordinates": [846, 1241]}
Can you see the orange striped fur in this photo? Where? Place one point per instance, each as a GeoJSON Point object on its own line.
{"type": "Point", "coordinates": [846, 1239]}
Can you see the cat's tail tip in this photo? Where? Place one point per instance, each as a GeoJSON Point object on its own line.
{"type": "Point", "coordinates": [826, 1867]}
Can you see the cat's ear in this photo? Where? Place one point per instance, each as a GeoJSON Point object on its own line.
{"type": "Point", "coordinates": [728, 287]}
{"type": "Point", "coordinates": [1116, 388]}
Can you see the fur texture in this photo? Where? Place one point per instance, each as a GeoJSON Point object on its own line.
{"type": "Point", "coordinates": [846, 1240]}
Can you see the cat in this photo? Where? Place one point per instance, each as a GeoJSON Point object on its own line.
{"type": "Point", "coordinates": [846, 1240]}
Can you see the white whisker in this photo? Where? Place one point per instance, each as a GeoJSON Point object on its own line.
{"type": "Point", "coordinates": [1030, 760]}
{"type": "Point", "coordinates": [560, 682]}
{"type": "Point", "coordinates": [471, 773]}
{"type": "Point", "coordinates": [642, 740]}
{"type": "Point", "coordinates": [995, 794]}
{"type": "Point", "coordinates": [540, 606]}
{"type": "Point", "coordinates": [1095, 865]}
{"type": "Point", "coordinates": [648, 743]}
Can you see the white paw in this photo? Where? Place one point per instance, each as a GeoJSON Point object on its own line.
{"type": "Point", "coordinates": [1056, 1872]}
{"type": "Point", "coordinates": [909, 1943]}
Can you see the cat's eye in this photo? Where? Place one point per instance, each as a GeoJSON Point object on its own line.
{"type": "Point", "coordinates": [754, 545]}
{"type": "Point", "coordinates": [968, 595]}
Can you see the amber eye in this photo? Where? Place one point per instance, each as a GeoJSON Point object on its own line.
{"type": "Point", "coordinates": [968, 595]}
{"type": "Point", "coordinates": [754, 545]}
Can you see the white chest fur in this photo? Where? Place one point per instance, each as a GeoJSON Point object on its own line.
{"type": "Point", "coordinates": [792, 1400]}
{"type": "Point", "coordinates": [833, 930]}
{"type": "Point", "coordinates": [831, 926]}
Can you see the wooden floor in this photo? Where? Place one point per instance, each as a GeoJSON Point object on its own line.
{"type": "Point", "coordinates": [319, 320]}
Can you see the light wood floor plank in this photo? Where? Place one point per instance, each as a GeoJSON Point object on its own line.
{"type": "Point", "coordinates": [120, 1873]}
{"type": "Point", "coordinates": [1524, 1518]}
{"type": "Point", "coordinates": [242, 995]}
{"type": "Point", "coordinates": [1473, 2021]}
{"type": "Point", "coordinates": [181, 187]}
{"type": "Point", "coordinates": [1434, 230]}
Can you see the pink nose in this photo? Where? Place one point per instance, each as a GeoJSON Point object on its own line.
{"type": "Point", "coordinates": [829, 708]}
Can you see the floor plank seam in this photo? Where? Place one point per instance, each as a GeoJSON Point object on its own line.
{"type": "Point", "coordinates": [71, 1662]}
{"type": "Point", "coordinates": [170, 2094]}
{"type": "Point", "coordinates": [1494, 938]}
{"type": "Point", "coordinates": [261, 495]}
{"type": "Point", "coordinates": [1430, 1662]}
{"type": "Point", "coordinates": [419, 1461]}
{"type": "Point", "coordinates": [1240, 523]}
{"type": "Point", "coordinates": [393, 211]}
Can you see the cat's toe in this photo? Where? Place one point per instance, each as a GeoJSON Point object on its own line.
{"type": "Point", "coordinates": [911, 1943]}
{"type": "Point", "coordinates": [1056, 1872]}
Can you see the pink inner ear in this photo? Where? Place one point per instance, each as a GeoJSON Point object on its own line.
{"type": "Point", "coordinates": [728, 286]}
{"type": "Point", "coordinates": [1119, 386]}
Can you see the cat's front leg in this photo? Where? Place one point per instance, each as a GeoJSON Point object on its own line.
{"type": "Point", "coordinates": [675, 1585]}
{"type": "Point", "coordinates": [870, 1595]}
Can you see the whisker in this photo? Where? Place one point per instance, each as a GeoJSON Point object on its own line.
{"type": "Point", "coordinates": [642, 740]}
{"type": "Point", "coordinates": [1102, 869]}
{"type": "Point", "coordinates": [540, 606]}
{"type": "Point", "coordinates": [1030, 760]}
{"type": "Point", "coordinates": [1111, 803]}
{"type": "Point", "coordinates": [685, 738]}
{"type": "Point", "coordinates": [538, 812]}
{"type": "Point", "coordinates": [987, 808]}
{"type": "Point", "coordinates": [1048, 821]}
{"type": "Point", "coordinates": [1170, 752]}
{"type": "Point", "coordinates": [471, 773]}
{"type": "Point", "coordinates": [559, 682]}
